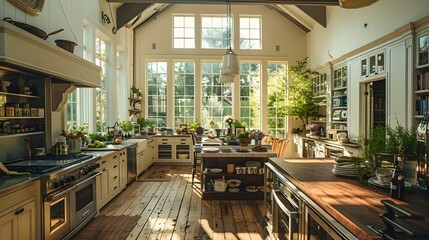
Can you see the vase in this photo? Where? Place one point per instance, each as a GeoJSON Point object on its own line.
{"type": "Point", "coordinates": [244, 141]}
{"type": "Point", "coordinates": [74, 145]}
{"type": "Point", "coordinates": [229, 131]}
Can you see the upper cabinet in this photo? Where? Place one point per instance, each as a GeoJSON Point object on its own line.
{"type": "Point", "coordinates": [423, 50]}
{"type": "Point", "coordinates": [373, 64]}
{"type": "Point", "coordinates": [422, 74]}
{"type": "Point", "coordinates": [339, 97]}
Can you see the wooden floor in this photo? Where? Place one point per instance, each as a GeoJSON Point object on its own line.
{"type": "Point", "coordinates": [174, 210]}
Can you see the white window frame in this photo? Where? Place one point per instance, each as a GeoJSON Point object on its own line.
{"type": "Point", "coordinates": [187, 37]}
{"type": "Point", "coordinates": [224, 27]}
{"type": "Point", "coordinates": [247, 32]}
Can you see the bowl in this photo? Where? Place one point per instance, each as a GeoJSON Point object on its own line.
{"type": "Point", "coordinates": [384, 175]}
{"type": "Point", "coordinates": [211, 137]}
{"type": "Point", "coordinates": [216, 170]}
{"type": "Point", "coordinates": [234, 183]}
{"type": "Point", "coordinates": [182, 156]}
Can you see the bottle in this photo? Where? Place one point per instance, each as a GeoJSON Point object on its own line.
{"type": "Point", "coordinates": [394, 182]}
{"type": "Point", "coordinates": [401, 187]}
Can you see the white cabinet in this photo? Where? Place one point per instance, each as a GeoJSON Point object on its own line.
{"type": "Point", "coordinates": [174, 150]}
{"type": "Point", "coordinates": [165, 147]}
{"type": "Point", "coordinates": [123, 169]}
{"type": "Point", "coordinates": [354, 93]}
{"type": "Point", "coordinates": [151, 151]}
{"type": "Point", "coordinates": [373, 64]}
{"type": "Point", "coordinates": [20, 213]}
{"type": "Point", "coordinates": [108, 182]}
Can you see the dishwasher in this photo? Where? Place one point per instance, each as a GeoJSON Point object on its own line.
{"type": "Point", "coordinates": [132, 163]}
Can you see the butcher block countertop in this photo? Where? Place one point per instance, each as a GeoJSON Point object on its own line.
{"type": "Point", "coordinates": [353, 204]}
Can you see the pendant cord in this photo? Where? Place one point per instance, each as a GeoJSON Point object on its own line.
{"type": "Point", "coordinates": [228, 26]}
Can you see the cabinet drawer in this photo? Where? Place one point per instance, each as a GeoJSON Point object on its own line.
{"type": "Point", "coordinates": [165, 140]}
{"type": "Point", "coordinates": [186, 140]}
{"type": "Point", "coordinates": [114, 172]}
{"type": "Point", "coordinates": [13, 198]}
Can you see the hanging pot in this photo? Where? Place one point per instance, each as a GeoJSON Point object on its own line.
{"type": "Point", "coordinates": [31, 29]}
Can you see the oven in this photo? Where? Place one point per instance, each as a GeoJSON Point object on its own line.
{"type": "Point", "coordinates": [68, 209]}
{"type": "Point", "coordinates": [318, 224]}
{"type": "Point", "coordinates": [282, 206]}
{"type": "Point", "coordinates": [68, 191]}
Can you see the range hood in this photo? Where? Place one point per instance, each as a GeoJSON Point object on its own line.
{"type": "Point", "coordinates": [24, 50]}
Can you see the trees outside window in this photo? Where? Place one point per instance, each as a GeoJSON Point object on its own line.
{"type": "Point", "coordinates": [276, 92]}
{"type": "Point", "coordinates": [157, 92]}
{"type": "Point", "coordinates": [250, 94]}
{"type": "Point", "coordinates": [184, 92]}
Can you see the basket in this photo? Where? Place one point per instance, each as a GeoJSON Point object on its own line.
{"type": "Point", "coordinates": [66, 44]}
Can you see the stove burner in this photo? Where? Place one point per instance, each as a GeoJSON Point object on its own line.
{"type": "Point", "coordinates": [47, 164]}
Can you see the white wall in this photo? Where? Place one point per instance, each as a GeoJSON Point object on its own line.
{"type": "Point", "coordinates": [345, 29]}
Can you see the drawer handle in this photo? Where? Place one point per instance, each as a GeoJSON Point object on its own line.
{"type": "Point", "coordinates": [115, 188]}
{"type": "Point", "coordinates": [103, 162]}
{"type": "Point", "coordinates": [115, 166]}
{"type": "Point", "coordinates": [115, 177]}
{"type": "Point", "coordinates": [114, 157]}
{"type": "Point", "coordinates": [19, 211]}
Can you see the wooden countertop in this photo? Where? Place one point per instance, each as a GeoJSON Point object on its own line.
{"type": "Point", "coordinates": [232, 152]}
{"type": "Point", "coordinates": [354, 205]}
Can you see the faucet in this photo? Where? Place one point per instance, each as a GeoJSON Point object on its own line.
{"type": "Point", "coordinates": [115, 130]}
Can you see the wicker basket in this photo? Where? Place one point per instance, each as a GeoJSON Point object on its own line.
{"type": "Point", "coordinates": [66, 44]}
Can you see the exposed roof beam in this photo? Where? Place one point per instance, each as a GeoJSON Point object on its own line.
{"type": "Point", "coordinates": [128, 11]}
{"type": "Point", "coordinates": [293, 2]}
{"type": "Point", "coordinates": [318, 13]}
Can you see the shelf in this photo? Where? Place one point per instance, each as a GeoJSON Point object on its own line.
{"type": "Point", "coordinates": [320, 96]}
{"type": "Point", "coordinates": [425, 91]}
{"type": "Point", "coordinates": [20, 134]}
{"type": "Point", "coordinates": [418, 116]}
{"type": "Point", "coordinates": [134, 111]}
{"type": "Point", "coordinates": [318, 121]}
{"type": "Point", "coordinates": [11, 118]}
{"type": "Point", "coordinates": [339, 89]}
{"type": "Point", "coordinates": [334, 108]}
{"type": "Point", "coordinates": [241, 195]}
{"type": "Point", "coordinates": [19, 95]}
{"type": "Point", "coordinates": [135, 99]}
{"type": "Point", "coordinates": [426, 66]}
{"type": "Point", "coordinates": [340, 122]}
{"type": "Point", "coordinates": [231, 175]}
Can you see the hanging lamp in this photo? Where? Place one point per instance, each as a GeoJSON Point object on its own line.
{"type": "Point", "coordinates": [229, 67]}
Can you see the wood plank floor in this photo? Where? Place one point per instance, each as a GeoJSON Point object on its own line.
{"type": "Point", "coordinates": [174, 210]}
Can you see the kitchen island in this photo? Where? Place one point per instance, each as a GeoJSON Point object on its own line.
{"type": "Point", "coordinates": [354, 205]}
{"type": "Point", "coordinates": [245, 165]}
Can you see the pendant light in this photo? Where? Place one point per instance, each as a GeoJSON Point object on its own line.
{"type": "Point", "coordinates": [229, 67]}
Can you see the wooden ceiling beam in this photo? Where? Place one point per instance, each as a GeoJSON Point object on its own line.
{"type": "Point", "coordinates": [127, 11]}
{"type": "Point", "coordinates": [293, 2]}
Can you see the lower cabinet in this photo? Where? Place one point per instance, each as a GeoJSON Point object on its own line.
{"type": "Point", "coordinates": [123, 169]}
{"type": "Point", "coordinates": [108, 181]}
{"type": "Point", "coordinates": [20, 214]}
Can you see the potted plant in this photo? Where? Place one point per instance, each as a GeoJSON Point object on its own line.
{"type": "Point", "coordinates": [143, 124]}
{"type": "Point", "coordinates": [213, 124]}
{"type": "Point", "coordinates": [153, 128]}
{"type": "Point", "coordinates": [75, 136]}
{"type": "Point", "coordinates": [244, 139]}
{"type": "Point", "coordinates": [300, 103]}
{"type": "Point", "coordinates": [126, 127]}
{"type": "Point", "coordinates": [135, 92]}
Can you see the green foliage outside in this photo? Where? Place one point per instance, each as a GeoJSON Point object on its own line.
{"type": "Point", "coordinates": [300, 103]}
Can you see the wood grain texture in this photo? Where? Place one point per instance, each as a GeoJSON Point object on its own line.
{"type": "Point", "coordinates": [353, 204]}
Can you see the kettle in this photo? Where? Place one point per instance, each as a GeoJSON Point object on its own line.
{"type": "Point", "coordinates": [219, 184]}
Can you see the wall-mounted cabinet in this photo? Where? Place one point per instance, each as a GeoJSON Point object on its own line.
{"type": "Point", "coordinates": [421, 90]}
{"type": "Point", "coordinates": [321, 96]}
{"type": "Point", "coordinates": [339, 98]}
{"type": "Point", "coordinates": [373, 64]}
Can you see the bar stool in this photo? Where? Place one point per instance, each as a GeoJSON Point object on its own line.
{"type": "Point", "coordinates": [197, 157]}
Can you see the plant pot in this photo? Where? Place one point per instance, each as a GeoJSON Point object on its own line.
{"type": "Point", "coordinates": [245, 141]}
{"type": "Point", "coordinates": [409, 171]}
{"type": "Point", "coordinates": [74, 145]}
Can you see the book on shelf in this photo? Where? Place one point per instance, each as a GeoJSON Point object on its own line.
{"type": "Point", "coordinates": [422, 105]}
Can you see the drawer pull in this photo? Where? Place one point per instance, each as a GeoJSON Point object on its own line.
{"type": "Point", "coordinates": [103, 162]}
{"type": "Point", "coordinates": [115, 177]}
{"type": "Point", "coordinates": [114, 157]}
{"type": "Point", "coordinates": [19, 211]}
{"type": "Point", "coordinates": [115, 166]}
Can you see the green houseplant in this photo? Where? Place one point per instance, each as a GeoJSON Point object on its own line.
{"type": "Point", "coordinates": [244, 139]}
{"type": "Point", "coordinates": [300, 103]}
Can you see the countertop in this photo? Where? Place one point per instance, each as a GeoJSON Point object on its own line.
{"type": "Point", "coordinates": [9, 183]}
{"type": "Point", "coordinates": [231, 151]}
{"type": "Point", "coordinates": [354, 205]}
{"type": "Point", "coordinates": [328, 141]}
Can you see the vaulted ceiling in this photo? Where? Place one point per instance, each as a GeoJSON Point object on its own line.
{"type": "Point", "coordinates": [303, 13]}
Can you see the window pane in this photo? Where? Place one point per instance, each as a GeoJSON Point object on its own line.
{"type": "Point", "coordinates": [214, 32]}
{"type": "Point", "coordinates": [157, 92]}
{"type": "Point", "coordinates": [184, 85]}
{"type": "Point", "coordinates": [250, 33]}
{"type": "Point", "coordinates": [184, 32]}
{"type": "Point", "coordinates": [276, 93]}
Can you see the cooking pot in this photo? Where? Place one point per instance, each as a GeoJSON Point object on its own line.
{"type": "Point", "coordinates": [219, 184]}
{"type": "Point", "coordinates": [31, 29]}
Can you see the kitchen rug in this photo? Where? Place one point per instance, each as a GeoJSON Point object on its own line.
{"type": "Point", "coordinates": [155, 176]}
{"type": "Point", "coordinates": [107, 227]}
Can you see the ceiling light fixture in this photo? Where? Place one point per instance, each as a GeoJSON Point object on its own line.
{"type": "Point", "coordinates": [352, 4]}
{"type": "Point", "coordinates": [229, 67]}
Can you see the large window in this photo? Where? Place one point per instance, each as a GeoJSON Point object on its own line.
{"type": "Point", "coordinates": [184, 90]}
{"type": "Point", "coordinates": [277, 80]}
{"type": "Point", "coordinates": [101, 92]}
{"type": "Point", "coordinates": [214, 32]}
{"type": "Point", "coordinates": [121, 86]}
{"type": "Point", "coordinates": [250, 33]}
{"type": "Point", "coordinates": [184, 32]}
{"type": "Point", "coordinates": [72, 108]}
{"type": "Point", "coordinates": [216, 97]}
{"type": "Point", "coordinates": [250, 94]}
{"type": "Point", "coordinates": [157, 92]}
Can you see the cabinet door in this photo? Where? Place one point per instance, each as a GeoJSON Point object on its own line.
{"type": "Point", "coordinates": [20, 223]}
{"type": "Point", "coordinates": [123, 168]}
{"type": "Point", "coordinates": [354, 94]}
{"type": "Point", "coordinates": [397, 86]}
{"type": "Point", "coordinates": [364, 67]}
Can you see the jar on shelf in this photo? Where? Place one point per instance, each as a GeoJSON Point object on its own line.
{"type": "Point", "coordinates": [1, 111]}
{"type": "Point", "coordinates": [18, 112]}
{"type": "Point", "coordinates": [10, 111]}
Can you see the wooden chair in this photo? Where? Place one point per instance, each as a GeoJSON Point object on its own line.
{"type": "Point", "coordinates": [282, 148]}
{"type": "Point", "coordinates": [275, 144]}
{"type": "Point", "coordinates": [197, 158]}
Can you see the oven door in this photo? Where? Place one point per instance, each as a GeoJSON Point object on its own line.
{"type": "Point", "coordinates": [323, 226]}
{"type": "Point", "coordinates": [285, 217]}
{"type": "Point", "coordinates": [56, 215]}
{"type": "Point", "coordinates": [83, 201]}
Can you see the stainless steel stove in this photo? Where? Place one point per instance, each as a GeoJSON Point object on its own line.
{"type": "Point", "coordinates": [68, 190]}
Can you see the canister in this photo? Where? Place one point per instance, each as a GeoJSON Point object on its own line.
{"type": "Point", "coordinates": [1, 111]}
{"type": "Point", "coordinates": [10, 111]}
{"type": "Point", "coordinates": [34, 112]}
{"type": "Point", "coordinates": [26, 112]}
{"type": "Point", "coordinates": [18, 112]}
